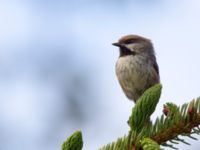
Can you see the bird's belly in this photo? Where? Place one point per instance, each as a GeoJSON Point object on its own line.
{"type": "Point", "coordinates": [133, 76]}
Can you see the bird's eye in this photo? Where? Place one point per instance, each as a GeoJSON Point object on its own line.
{"type": "Point", "coordinates": [130, 41]}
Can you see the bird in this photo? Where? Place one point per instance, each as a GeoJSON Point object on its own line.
{"type": "Point", "coordinates": [136, 67]}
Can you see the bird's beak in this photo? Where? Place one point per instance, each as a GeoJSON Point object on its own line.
{"type": "Point", "coordinates": [117, 44]}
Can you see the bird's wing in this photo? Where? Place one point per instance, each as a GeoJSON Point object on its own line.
{"type": "Point", "coordinates": [155, 66]}
{"type": "Point", "coordinates": [155, 73]}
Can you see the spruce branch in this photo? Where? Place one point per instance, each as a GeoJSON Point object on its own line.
{"type": "Point", "coordinates": [139, 120]}
{"type": "Point", "coordinates": [167, 130]}
{"type": "Point", "coordinates": [74, 142]}
{"type": "Point", "coordinates": [144, 107]}
{"type": "Point", "coordinates": [149, 144]}
{"type": "Point", "coordinates": [183, 122]}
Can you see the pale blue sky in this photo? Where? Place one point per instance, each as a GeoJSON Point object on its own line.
{"type": "Point", "coordinates": [57, 66]}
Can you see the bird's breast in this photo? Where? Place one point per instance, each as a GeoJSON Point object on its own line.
{"type": "Point", "coordinates": [132, 73]}
{"type": "Point", "coordinates": [131, 67]}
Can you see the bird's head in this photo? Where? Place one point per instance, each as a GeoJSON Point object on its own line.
{"type": "Point", "coordinates": [134, 45]}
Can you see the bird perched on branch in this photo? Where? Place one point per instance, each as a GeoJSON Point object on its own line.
{"type": "Point", "coordinates": [136, 67]}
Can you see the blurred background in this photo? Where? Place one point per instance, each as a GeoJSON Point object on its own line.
{"type": "Point", "coordinates": [57, 66]}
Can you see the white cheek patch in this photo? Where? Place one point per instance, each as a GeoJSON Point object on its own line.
{"type": "Point", "coordinates": [131, 47]}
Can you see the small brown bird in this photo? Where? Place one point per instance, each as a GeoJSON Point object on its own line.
{"type": "Point", "coordinates": [136, 67]}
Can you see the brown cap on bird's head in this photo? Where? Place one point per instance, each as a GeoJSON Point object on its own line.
{"type": "Point", "coordinates": [128, 39]}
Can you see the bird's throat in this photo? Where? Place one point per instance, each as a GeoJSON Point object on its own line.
{"type": "Point", "coordinates": [125, 51]}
